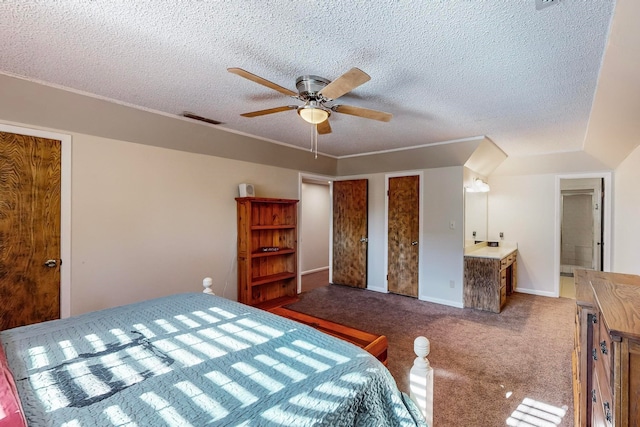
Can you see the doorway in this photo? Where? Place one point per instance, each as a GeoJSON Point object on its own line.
{"type": "Point", "coordinates": [314, 232]}
{"type": "Point", "coordinates": [583, 227]}
{"type": "Point", "coordinates": [65, 207]}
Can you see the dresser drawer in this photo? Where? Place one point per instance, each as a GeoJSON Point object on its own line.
{"type": "Point", "coordinates": [503, 296]}
{"type": "Point", "coordinates": [604, 349]}
{"type": "Point", "coordinates": [602, 403]}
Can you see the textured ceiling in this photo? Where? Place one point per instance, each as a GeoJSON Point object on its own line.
{"type": "Point", "coordinates": [446, 70]}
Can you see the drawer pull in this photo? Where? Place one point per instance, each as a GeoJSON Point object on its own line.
{"type": "Point", "coordinates": [594, 353]}
{"type": "Point", "coordinates": [607, 411]}
{"type": "Point", "coordinates": [593, 395]}
{"type": "Point", "coordinates": [603, 347]}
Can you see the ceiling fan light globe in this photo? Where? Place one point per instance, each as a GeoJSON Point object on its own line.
{"type": "Point", "coordinates": [313, 115]}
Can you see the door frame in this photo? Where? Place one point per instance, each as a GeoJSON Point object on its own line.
{"type": "Point", "coordinates": [65, 207]}
{"type": "Point", "coordinates": [606, 222]}
{"type": "Point", "coordinates": [329, 179]}
{"type": "Point", "coordinates": [420, 174]}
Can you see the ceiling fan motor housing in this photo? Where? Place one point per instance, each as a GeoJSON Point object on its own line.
{"type": "Point", "coordinates": [309, 86]}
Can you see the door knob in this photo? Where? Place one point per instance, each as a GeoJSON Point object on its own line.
{"type": "Point", "coordinates": [364, 240]}
{"type": "Point", "coordinates": [415, 242]}
{"type": "Point", "coordinates": [51, 263]}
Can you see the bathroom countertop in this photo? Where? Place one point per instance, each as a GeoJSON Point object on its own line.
{"type": "Point", "coordinates": [491, 252]}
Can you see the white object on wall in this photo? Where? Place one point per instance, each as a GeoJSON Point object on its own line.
{"type": "Point", "coordinates": [421, 379]}
{"type": "Point", "coordinates": [246, 190]}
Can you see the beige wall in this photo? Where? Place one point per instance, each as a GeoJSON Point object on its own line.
{"type": "Point", "coordinates": [314, 237]}
{"type": "Point", "coordinates": [149, 221]}
{"type": "Point", "coordinates": [626, 249]}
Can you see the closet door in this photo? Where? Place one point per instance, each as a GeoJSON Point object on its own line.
{"type": "Point", "coordinates": [403, 234]}
{"type": "Point", "coordinates": [350, 234]}
{"type": "Point", "coordinates": [29, 229]}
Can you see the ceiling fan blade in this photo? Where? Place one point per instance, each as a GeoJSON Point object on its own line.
{"type": "Point", "coordinates": [264, 82]}
{"type": "Point", "coordinates": [363, 112]}
{"type": "Point", "coordinates": [345, 83]}
{"type": "Point", "coordinates": [324, 127]}
{"type": "Point", "coordinates": [269, 111]}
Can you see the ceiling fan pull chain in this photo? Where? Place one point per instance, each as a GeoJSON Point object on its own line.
{"type": "Point", "coordinates": [313, 130]}
{"type": "Point", "coordinates": [315, 141]}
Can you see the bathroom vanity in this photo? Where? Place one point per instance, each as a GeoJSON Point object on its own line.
{"type": "Point", "coordinates": [490, 276]}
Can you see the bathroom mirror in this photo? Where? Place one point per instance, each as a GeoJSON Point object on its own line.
{"type": "Point", "coordinates": [475, 217]}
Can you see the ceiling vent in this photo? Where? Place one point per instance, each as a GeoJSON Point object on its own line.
{"type": "Point", "coordinates": [200, 118]}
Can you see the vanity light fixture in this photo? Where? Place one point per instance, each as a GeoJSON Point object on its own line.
{"type": "Point", "coordinates": [478, 186]}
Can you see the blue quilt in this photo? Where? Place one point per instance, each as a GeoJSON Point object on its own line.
{"type": "Point", "coordinates": [195, 360]}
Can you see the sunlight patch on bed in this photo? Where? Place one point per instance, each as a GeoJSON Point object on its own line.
{"type": "Point", "coordinates": [533, 413]}
{"type": "Point", "coordinates": [149, 361]}
{"type": "Point", "coordinates": [166, 411]}
{"type": "Point", "coordinates": [186, 358]}
{"type": "Point", "coordinates": [38, 356]}
{"type": "Point", "coordinates": [354, 378]}
{"type": "Point", "coordinates": [118, 418]}
{"type": "Point", "coordinates": [48, 392]}
{"type": "Point", "coordinates": [166, 325]}
{"type": "Point", "coordinates": [204, 402]}
{"type": "Point", "coordinates": [72, 423]}
{"type": "Point", "coordinates": [206, 317]}
{"type": "Point", "coordinates": [96, 342]}
{"type": "Point", "coordinates": [260, 378]}
{"type": "Point", "coordinates": [122, 337]}
{"type": "Point", "coordinates": [333, 389]}
{"type": "Point", "coordinates": [240, 393]}
{"type": "Point", "coordinates": [338, 358]}
{"type": "Point", "coordinates": [304, 400]}
{"type": "Point", "coordinates": [89, 383]}
{"type": "Point", "coordinates": [68, 349]}
{"type": "Point", "coordinates": [187, 321]}
{"type": "Point", "coordinates": [306, 360]}
{"type": "Point", "coordinates": [222, 312]}
{"type": "Point", "coordinates": [278, 416]}
{"type": "Point", "coordinates": [281, 367]}
{"type": "Point", "coordinates": [144, 330]}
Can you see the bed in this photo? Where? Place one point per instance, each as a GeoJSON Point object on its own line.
{"type": "Point", "coordinates": [192, 360]}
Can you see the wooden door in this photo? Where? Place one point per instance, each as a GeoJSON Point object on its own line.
{"type": "Point", "coordinates": [29, 229]}
{"type": "Point", "coordinates": [403, 235]}
{"type": "Point", "coordinates": [350, 235]}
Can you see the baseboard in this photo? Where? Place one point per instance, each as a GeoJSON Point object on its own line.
{"type": "Point", "coordinates": [534, 292]}
{"type": "Point", "coordinates": [314, 270]}
{"type": "Point", "coordinates": [450, 303]}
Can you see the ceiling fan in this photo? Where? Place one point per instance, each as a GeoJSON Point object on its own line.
{"type": "Point", "coordinates": [317, 93]}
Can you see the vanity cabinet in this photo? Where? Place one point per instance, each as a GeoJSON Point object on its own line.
{"type": "Point", "coordinates": [607, 349]}
{"type": "Point", "coordinates": [489, 278]}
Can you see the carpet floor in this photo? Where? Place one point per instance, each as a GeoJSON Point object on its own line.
{"type": "Point", "coordinates": [511, 368]}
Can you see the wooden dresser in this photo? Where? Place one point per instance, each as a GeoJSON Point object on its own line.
{"type": "Point", "coordinates": [607, 349]}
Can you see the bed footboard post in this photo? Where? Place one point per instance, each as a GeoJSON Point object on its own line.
{"type": "Point", "coordinates": [207, 282]}
{"type": "Point", "coordinates": [421, 379]}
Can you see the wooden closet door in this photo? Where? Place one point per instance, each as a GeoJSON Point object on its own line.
{"type": "Point", "coordinates": [350, 235]}
{"type": "Point", "coordinates": [29, 229]}
{"type": "Point", "coordinates": [403, 235]}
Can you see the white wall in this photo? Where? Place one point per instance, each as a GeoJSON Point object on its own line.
{"type": "Point", "coordinates": [149, 221]}
{"type": "Point", "coordinates": [314, 227]}
{"type": "Point", "coordinates": [441, 248]}
{"type": "Point", "coordinates": [626, 248]}
{"type": "Point", "coordinates": [523, 208]}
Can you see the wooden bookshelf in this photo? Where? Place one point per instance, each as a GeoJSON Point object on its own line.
{"type": "Point", "coordinates": [267, 251]}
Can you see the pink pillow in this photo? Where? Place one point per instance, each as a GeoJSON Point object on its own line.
{"type": "Point", "coordinates": [11, 414]}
